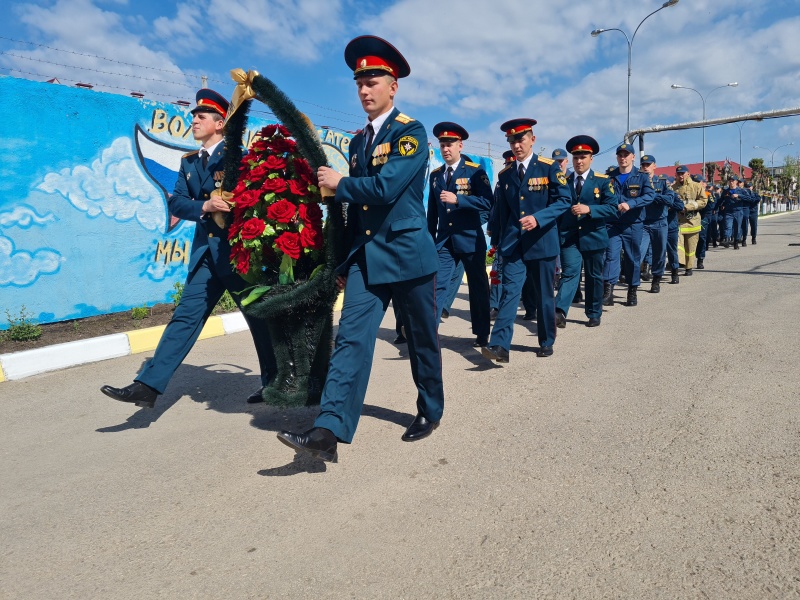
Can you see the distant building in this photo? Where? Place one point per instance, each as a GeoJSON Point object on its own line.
{"type": "Point", "coordinates": [697, 169]}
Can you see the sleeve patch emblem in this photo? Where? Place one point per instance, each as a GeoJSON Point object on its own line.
{"type": "Point", "coordinates": [408, 145]}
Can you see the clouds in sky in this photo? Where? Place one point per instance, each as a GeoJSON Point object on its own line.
{"type": "Point", "coordinates": [24, 216]}
{"type": "Point", "coordinates": [21, 268]}
{"type": "Point", "coordinates": [112, 186]}
{"type": "Point", "coordinates": [476, 61]}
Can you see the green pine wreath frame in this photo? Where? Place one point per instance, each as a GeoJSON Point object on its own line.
{"type": "Point", "coordinates": [299, 316]}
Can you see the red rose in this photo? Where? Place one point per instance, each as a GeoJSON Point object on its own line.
{"type": "Point", "coordinates": [495, 282]}
{"type": "Point", "coordinates": [240, 257]}
{"type": "Point", "coordinates": [303, 171]}
{"type": "Point", "coordinates": [311, 237]}
{"type": "Point", "coordinates": [282, 145]}
{"type": "Point", "coordinates": [269, 131]}
{"type": "Point", "coordinates": [282, 211]}
{"type": "Point", "coordinates": [289, 244]}
{"type": "Point", "coordinates": [493, 274]}
{"type": "Point", "coordinates": [492, 251]}
{"type": "Point", "coordinates": [298, 187]}
{"type": "Point", "coordinates": [310, 213]}
{"type": "Point", "coordinates": [252, 228]}
{"type": "Point", "coordinates": [275, 163]}
{"type": "Point", "coordinates": [247, 199]}
{"type": "Point", "coordinates": [276, 185]}
{"type": "Point", "coordinates": [283, 131]}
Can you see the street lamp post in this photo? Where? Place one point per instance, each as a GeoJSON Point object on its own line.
{"type": "Point", "coordinates": [675, 86]}
{"type": "Point", "coordinates": [597, 32]}
{"type": "Point", "coordinates": [772, 158]}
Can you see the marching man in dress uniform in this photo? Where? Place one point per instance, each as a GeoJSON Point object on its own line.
{"type": "Point", "coordinates": [210, 272]}
{"type": "Point", "coordinates": [533, 193]}
{"type": "Point", "coordinates": [392, 257]}
{"type": "Point", "coordinates": [583, 232]}
{"type": "Point", "coordinates": [460, 196]}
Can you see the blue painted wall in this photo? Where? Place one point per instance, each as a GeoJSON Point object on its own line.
{"type": "Point", "coordinates": [84, 228]}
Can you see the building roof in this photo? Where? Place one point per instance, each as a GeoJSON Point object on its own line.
{"type": "Point", "coordinates": [697, 169]}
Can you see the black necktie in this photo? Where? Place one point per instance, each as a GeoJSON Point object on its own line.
{"type": "Point", "coordinates": [204, 157]}
{"type": "Point", "coordinates": [370, 135]}
{"type": "Point", "coordinates": [448, 176]}
{"type": "Point", "coordinates": [521, 171]}
{"type": "Point", "coordinates": [579, 186]}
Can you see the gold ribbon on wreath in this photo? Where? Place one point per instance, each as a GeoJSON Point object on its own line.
{"type": "Point", "coordinates": [219, 216]}
{"type": "Point", "coordinates": [243, 90]}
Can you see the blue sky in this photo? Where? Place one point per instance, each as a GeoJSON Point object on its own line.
{"type": "Point", "coordinates": [475, 62]}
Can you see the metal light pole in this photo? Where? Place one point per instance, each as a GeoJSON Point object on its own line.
{"type": "Point", "coordinates": [675, 86]}
{"type": "Point", "coordinates": [597, 32]}
{"type": "Point", "coordinates": [772, 158]}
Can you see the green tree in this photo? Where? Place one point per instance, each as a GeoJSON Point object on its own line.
{"type": "Point", "coordinates": [761, 179]}
{"type": "Point", "coordinates": [711, 169]}
{"type": "Point", "coordinates": [787, 183]}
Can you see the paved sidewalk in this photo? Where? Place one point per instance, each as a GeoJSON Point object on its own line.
{"type": "Point", "coordinates": [653, 457]}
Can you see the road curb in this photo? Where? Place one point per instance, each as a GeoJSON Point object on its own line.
{"type": "Point", "coordinates": [19, 365]}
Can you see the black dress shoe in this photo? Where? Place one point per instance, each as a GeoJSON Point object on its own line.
{"type": "Point", "coordinates": [493, 314]}
{"type": "Point", "coordinates": [136, 393]}
{"type": "Point", "coordinates": [445, 314]}
{"type": "Point", "coordinates": [544, 351]}
{"type": "Point", "coordinates": [529, 316]}
{"type": "Point", "coordinates": [594, 322]}
{"type": "Point", "coordinates": [256, 396]}
{"type": "Point", "coordinates": [495, 353]}
{"type": "Point", "coordinates": [753, 241]}
{"type": "Point", "coordinates": [480, 342]}
{"type": "Point", "coordinates": [420, 428]}
{"type": "Point", "coordinates": [700, 264]}
{"type": "Point", "coordinates": [561, 319]}
{"type": "Point", "coordinates": [400, 339]}
{"type": "Point", "coordinates": [744, 243]}
{"type": "Point", "coordinates": [687, 273]}
{"type": "Point", "coordinates": [317, 442]}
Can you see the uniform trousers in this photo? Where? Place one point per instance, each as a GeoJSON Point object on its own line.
{"type": "Point", "coordinates": [753, 222]}
{"type": "Point", "coordinates": [702, 242]}
{"type": "Point", "coordinates": [745, 223]}
{"type": "Point", "coordinates": [203, 289]}
{"type": "Point", "coordinates": [455, 285]}
{"type": "Point", "coordinates": [733, 224]}
{"type": "Point", "coordinates": [571, 260]}
{"type": "Point", "coordinates": [496, 290]}
{"type": "Point", "coordinates": [541, 272]}
{"type": "Point", "coordinates": [688, 237]}
{"type": "Point", "coordinates": [477, 283]}
{"type": "Point", "coordinates": [654, 238]}
{"type": "Point", "coordinates": [627, 237]}
{"type": "Point", "coordinates": [673, 258]}
{"type": "Point", "coordinates": [713, 231]}
{"type": "Point", "coordinates": [351, 361]}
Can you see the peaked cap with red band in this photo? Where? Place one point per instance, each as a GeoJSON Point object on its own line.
{"type": "Point", "coordinates": [210, 101]}
{"type": "Point", "coordinates": [516, 127]}
{"type": "Point", "coordinates": [447, 131]}
{"type": "Point", "coordinates": [369, 55]}
{"type": "Point", "coordinates": [583, 143]}
{"type": "Point", "coordinates": [509, 157]}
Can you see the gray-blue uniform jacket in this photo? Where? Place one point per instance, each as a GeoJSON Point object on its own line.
{"type": "Point", "coordinates": [664, 200]}
{"type": "Point", "coordinates": [589, 232]}
{"type": "Point", "coordinates": [386, 216]}
{"type": "Point", "coordinates": [461, 223]}
{"type": "Point", "coordinates": [637, 191]}
{"type": "Point", "coordinates": [542, 193]}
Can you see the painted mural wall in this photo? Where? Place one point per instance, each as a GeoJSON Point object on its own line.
{"type": "Point", "coordinates": [84, 182]}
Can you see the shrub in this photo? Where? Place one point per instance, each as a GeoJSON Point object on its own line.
{"type": "Point", "coordinates": [225, 304]}
{"type": "Point", "coordinates": [22, 328]}
{"type": "Point", "coordinates": [177, 294]}
{"type": "Point", "coordinates": [140, 312]}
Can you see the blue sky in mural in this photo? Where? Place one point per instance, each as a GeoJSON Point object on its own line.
{"type": "Point", "coordinates": [503, 59]}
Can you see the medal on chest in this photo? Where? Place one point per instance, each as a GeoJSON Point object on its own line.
{"type": "Point", "coordinates": [381, 154]}
{"type": "Point", "coordinates": [462, 186]}
{"type": "Point", "coordinates": [537, 184]}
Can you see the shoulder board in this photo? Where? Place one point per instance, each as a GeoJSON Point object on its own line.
{"type": "Point", "coordinates": [469, 163]}
{"type": "Point", "coordinates": [547, 161]}
{"type": "Point", "coordinates": [506, 169]}
{"type": "Point", "coordinates": [403, 118]}
{"type": "Point", "coordinates": [437, 169]}
{"type": "Point", "coordinates": [188, 154]}
{"type": "Point", "coordinates": [601, 175]}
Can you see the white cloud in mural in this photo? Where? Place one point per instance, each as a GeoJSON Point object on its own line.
{"type": "Point", "coordinates": [159, 271]}
{"type": "Point", "coordinates": [24, 216]}
{"type": "Point", "coordinates": [21, 268]}
{"type": "Point", "coordinates": [113, 186]}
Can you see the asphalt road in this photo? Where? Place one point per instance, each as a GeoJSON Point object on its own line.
{"type": "Point", "coordinates": [653, 457]}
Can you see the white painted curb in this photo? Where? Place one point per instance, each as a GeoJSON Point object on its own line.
{"type": "Point", "coordinates": [19, 365]}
